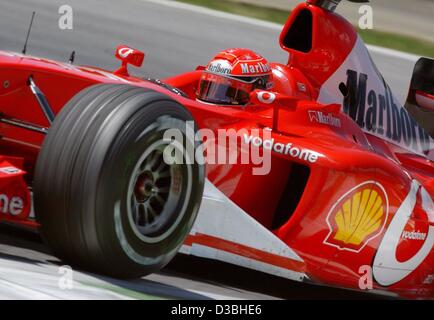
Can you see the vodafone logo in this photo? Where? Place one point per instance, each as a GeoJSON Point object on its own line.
{"type": "Point", "coordinates": [415, 235]}
{"type": "Point", "coordinates": [125, 52]}
{"type": "Point", "coordinates": [266, 97]}
{"type": "Point", "coordinates": [387, 270]}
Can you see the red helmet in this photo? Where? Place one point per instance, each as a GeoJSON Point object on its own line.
{"type": "Point", "coordinates": [230, 77]}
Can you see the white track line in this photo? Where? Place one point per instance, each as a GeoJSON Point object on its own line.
{"type": "Point", "coordinates": [393, 53]}
{"type": "Point", "coordinates": [269, 25]}
{"type": "Point", "coordinates": [216, 13]}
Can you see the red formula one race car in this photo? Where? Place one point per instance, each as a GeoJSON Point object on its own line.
{"type": "Point", "coordinates": [112, 169]}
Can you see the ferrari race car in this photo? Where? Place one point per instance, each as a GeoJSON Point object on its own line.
{"type": "Point", "coordinates": [343, 197]}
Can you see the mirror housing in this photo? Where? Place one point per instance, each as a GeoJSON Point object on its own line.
{"type": "Point", "coordinates": [278, 101]}
{"type": "Point", "coordinates": [128, 55]}
{"type": "Point", "coordinates": [420, 100]}
{"type": "Point", "coordinates": [275, 100]}
{"type": "Point", "coordinates": [270, 98]}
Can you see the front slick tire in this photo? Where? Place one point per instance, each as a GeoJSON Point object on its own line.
{"type": "Point", "coordinates": [105, 199]}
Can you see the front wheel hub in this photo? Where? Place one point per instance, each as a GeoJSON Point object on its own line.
{"type": "Point", "coordinates": [145, 187]}
{"type": "Point", "coordinates": [156, 195]}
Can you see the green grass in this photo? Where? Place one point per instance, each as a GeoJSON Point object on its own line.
{"type": "Point", "coordinates": [263, 13]}
{"type": "Point", "coordinates": [379, 38]}
{"type": "Point", "coordinates": [398, 42]}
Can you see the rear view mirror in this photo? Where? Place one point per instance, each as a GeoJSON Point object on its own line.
{"type": "Point", "coordinates": [420, 100]}
{"type": "Point", "coordinates": [268, 98]}
{"type": "Point", "coordinates": [128, 56]}
{"type": "Point", "coordinates": [425, 100]}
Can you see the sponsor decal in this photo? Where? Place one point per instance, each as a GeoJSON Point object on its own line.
{"type": "Point", "coordinates": [387, 268]}
{"type": "Point", "coordinates": [218, 67]}
{"type": "Point", "coordinates": [125, 52]}
{"type": "Point", "coordinates": [266, 97]}
{"type": "Point", "coordinates": [357, 217]}
{"type": "Point", "coordinates": [370, 103]}
{"type": "Point", "coordinates": [301, 87]}
{"type": "Point", "coordinates": [10, 170]}
{"type": "Point", "coordinates": [286, 149]}
{"type": "Point", "coordinates": [248, 68]}
{"type": "Point", "coordinates": [13, 205]}
{"type": "Point", "coordinates": [414, 235]}
{"type": "Point", "coordinates": [322, 118]}
{"type": "Point", "coordinates": [429, 279]}
{"type": "Point", "coordinates": [378, 113]}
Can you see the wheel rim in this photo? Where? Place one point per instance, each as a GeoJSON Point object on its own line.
{"type": "Point", "coordinates": [156, 194]}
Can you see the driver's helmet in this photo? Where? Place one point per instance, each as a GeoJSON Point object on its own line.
{"type": "Point", "coordinates": [230, 77]}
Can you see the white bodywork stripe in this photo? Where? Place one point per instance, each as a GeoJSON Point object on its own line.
{"type": "Point", "coordinates": [221, 219]}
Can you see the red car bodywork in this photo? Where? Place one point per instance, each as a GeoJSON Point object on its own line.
{"type": "Point", "coordinates": [354, 171]}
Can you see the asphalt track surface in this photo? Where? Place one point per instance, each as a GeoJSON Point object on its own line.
{"type": "Point", "coordinates": [176, 38]}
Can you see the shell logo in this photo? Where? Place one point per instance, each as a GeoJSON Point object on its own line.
{"type": "Point", "coordinates": [358, 217]}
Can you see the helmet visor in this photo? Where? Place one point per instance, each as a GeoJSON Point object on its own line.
{"type": "Point", "coordinates": [223, 90]}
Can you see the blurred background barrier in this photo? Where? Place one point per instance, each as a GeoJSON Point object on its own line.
{"type": "Point", "coordinates": [413, 18]}
{"type": "Point", "coordinates": [397, 24]}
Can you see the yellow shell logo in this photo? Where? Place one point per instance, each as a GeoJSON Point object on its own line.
{"type": "Point", "coordinates": [357, 217]}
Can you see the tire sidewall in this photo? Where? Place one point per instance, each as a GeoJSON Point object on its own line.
{"type": "Point", "coordinates": [113, 223]}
